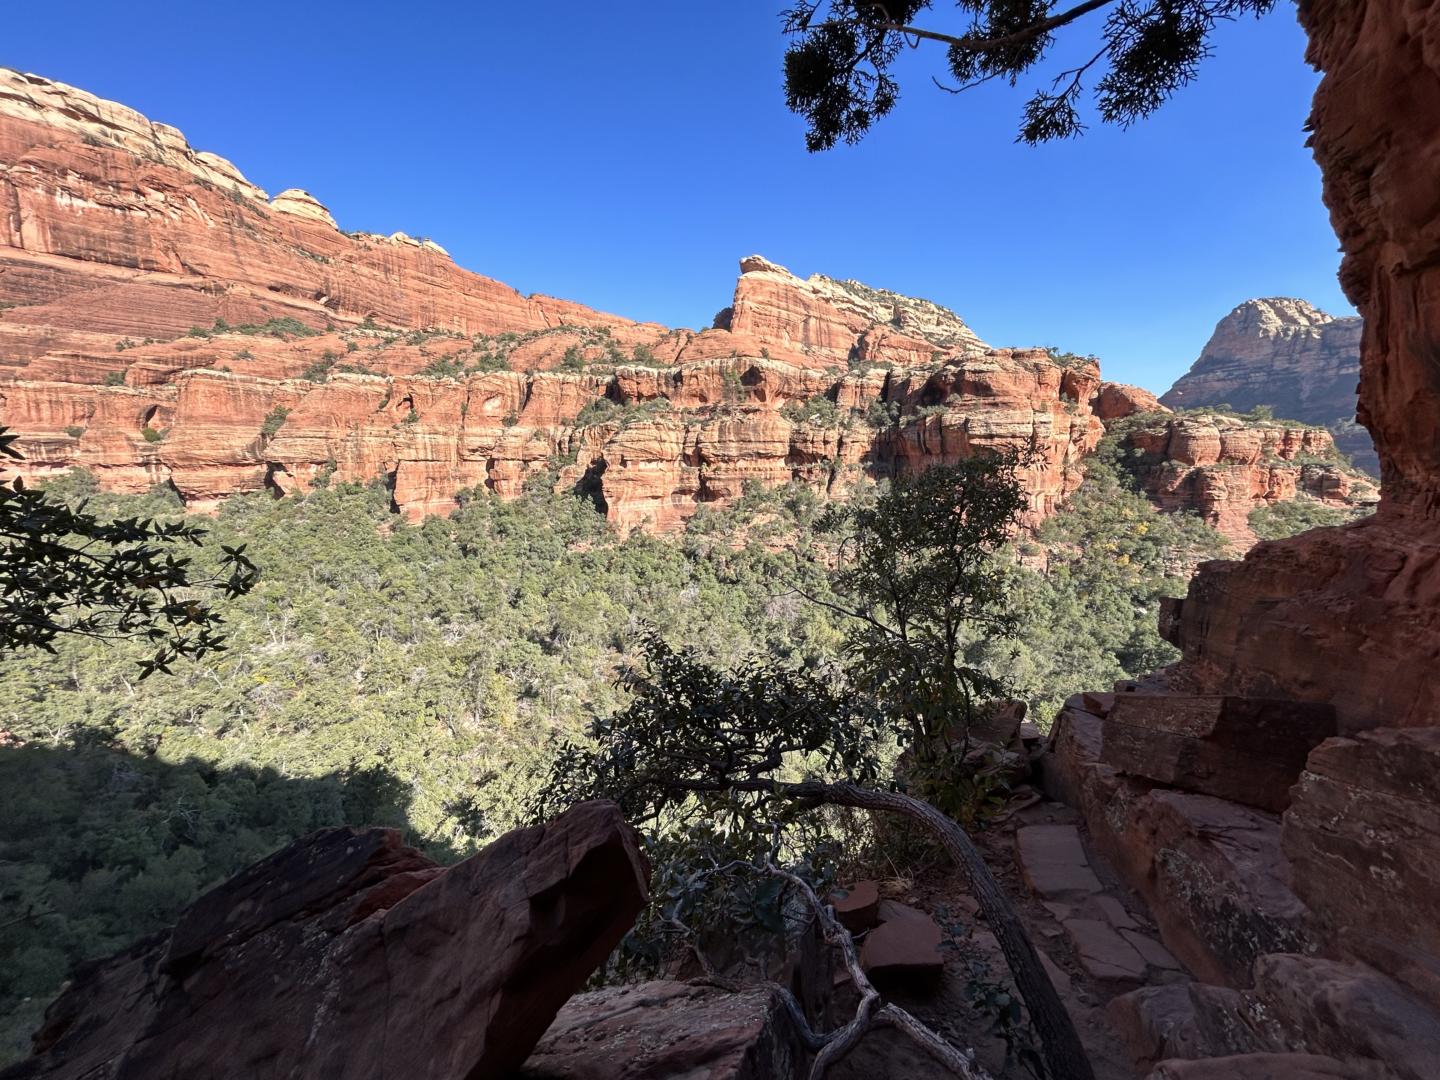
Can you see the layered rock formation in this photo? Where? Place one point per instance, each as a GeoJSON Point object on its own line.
{"type": "Point", "coordinates": [1225, 467]}
{"type": "Point", "coordinates": [127, 257]}
{"type": "Point", "coordinates": [349, 954]}
{"type": "Point", "coordinates": [163, 322]}
{"type": "Point", "coordinates": [1287, 355]}
{"type": "Point", "coordinates": [1320, 917]}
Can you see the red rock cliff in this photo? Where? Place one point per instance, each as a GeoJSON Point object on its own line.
{"type": "Point", "coordinates": [163, 322]}
{"type": "Point", "coordinates": [1323, 914]}
{"type": "Point", "coordinates": [1352, 615]}
{"type": "Point", "coordinates": [121, 247]}
{"type": "Point", "coordinates": [1289, 355]}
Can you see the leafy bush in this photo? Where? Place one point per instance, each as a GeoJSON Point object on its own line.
{"type": "Point", "coordinates": [320, 370]}
{"type": "Point", "coordinates": [1283, 519]}
{"type": "Point", "coordinates": [152, 435]}
{"type": "Point", "coordinates": [882, 414]}
{"type": "Point", "coordinates": [114, 378]}
{"type": "Point", "coordinates": [274, 420]}
{"type": "Point", "coordinates": [284, 327]}
{"type": "Point", "coordinates": [818, 410]}
{"type": "Point", "coordinates": [74, 431]}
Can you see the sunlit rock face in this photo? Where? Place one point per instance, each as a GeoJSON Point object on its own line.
{"type": "Point", "coordinates": [1224, 468]}
{"type": "Point", "coordinates": [163, 321]}
{"type": "Point", "coordinates": [1290, 356]}
{"type": "Point", "coordinates": [1348, 617]}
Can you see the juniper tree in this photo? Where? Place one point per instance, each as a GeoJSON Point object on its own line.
{"type": "Point", "coordinates": [722, 766]}
{"type": "Point", "coordinates": [839, 68]}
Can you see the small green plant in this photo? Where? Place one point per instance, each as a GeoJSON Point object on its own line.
{"type": "Point", "coordinates": [574, 359]}
{"type": "Point", "coordinates": [244, 354]}
{"type": "Point", "coordinates": [818, 410]}
{"type": "Point", "coordinates": [114, 378]}
{"type": "Point", "coordinates": [510, 419]}
{"type": "Point", "coordinates": [220, 327]}
{"type": "Point", "coordinates": [274, 420]}
{"type": "Point", "coordinates": [882, 414]}
{"type": "Point", "coordinates": [643, 354]}
{"type": "Point", "coordinates": [75, 431]}
{"type": "Point", "coordinates": [154, 435]}
{"type": "Point", "coordinates": [350, 346]}
{"type": "Point", "coordinates": [598, 411]}
{"type": "Point", "coordinates": [197, 332]}
{"type": "Point", "coordinates": [442, 368]}
{"type": "Point", "coordinates": [1067, 359]}
{"type": "Point", "coordinates": [124, 343]}
{"type": "Point", "coordinates": [319, 371]}
{"type": "Point", "coordinates": [1298, 515]}
{"type": "Point", "coordinates": [283, 328]}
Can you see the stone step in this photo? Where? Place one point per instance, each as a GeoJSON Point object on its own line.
{"type": "Point", "coordinates": [1053, 861]}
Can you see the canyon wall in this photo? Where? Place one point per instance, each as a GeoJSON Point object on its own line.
{"type": "Point", "coordinates": [163, 322]}
{"type": "Point", "coordinates": [1350, 615]}
{"type": "Point", "coordinates": [1223, 467]}
{"type": "Point", "coordinates": [1285, 354]}
{"type": "Point", "coordinates": [1292, 857]}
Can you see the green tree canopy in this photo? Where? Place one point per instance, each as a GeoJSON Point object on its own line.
{"type": "Point", "coordinates": [65, 571]}
{"type": "Point", "coordinates": [839, 68]}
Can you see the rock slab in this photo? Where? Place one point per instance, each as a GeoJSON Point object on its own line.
{"type": "Point", "coordinates": [669, 1031]}
{"type": "Point", "coordinates": [1247, 750]}
{"type": "Point", "coordinates": [347, 954]}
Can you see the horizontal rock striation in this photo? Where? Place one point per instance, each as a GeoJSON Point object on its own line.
{"type": "Point", "coordinates": [162, 321]}
{"type": "Point", "coordinates": [1324, 915]}
{"type": "Point", "coordinates": [1225, 467]}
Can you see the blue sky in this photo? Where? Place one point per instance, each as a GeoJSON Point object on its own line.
{"type": "Point", "coordinates": [627, 155]}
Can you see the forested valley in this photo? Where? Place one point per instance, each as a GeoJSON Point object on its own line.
{"type": "Point", "coordinates": [420, 676]}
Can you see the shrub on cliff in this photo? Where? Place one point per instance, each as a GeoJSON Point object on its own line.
{"type": "Point", "coordinates": [274, 420]}
{"type": "Point", "coordinates": [1283, 519]}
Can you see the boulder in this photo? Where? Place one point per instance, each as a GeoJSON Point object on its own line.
{"type": "Point", "coordinates": [669, 1031]}
{"type": "Point", "coordinates": [1248, 750]}
{"type": "Point", "coordinates": [1210, 871]}
{"type": "Point", "coordinates": [348, 954]}
{"type": "Point", "coordinates": [858, 907]}
{"type": "Point", "coordinates": [904, 947]}
{"type": "Point", "coordinates": [1184, 1020]}
{"type": "Point", "coordinates": [1352, 1011]}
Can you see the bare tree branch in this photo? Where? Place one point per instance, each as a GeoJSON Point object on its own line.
{"type": "Point", "coordinates": [970, 43]}
{"type": "Point", "coordinates": [834, 1046]}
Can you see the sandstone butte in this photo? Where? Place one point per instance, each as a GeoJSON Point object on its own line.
{"type": "Point", "coordinates": [1286, 354]}
{"type": "Point", "coordinates": [122, 249]}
